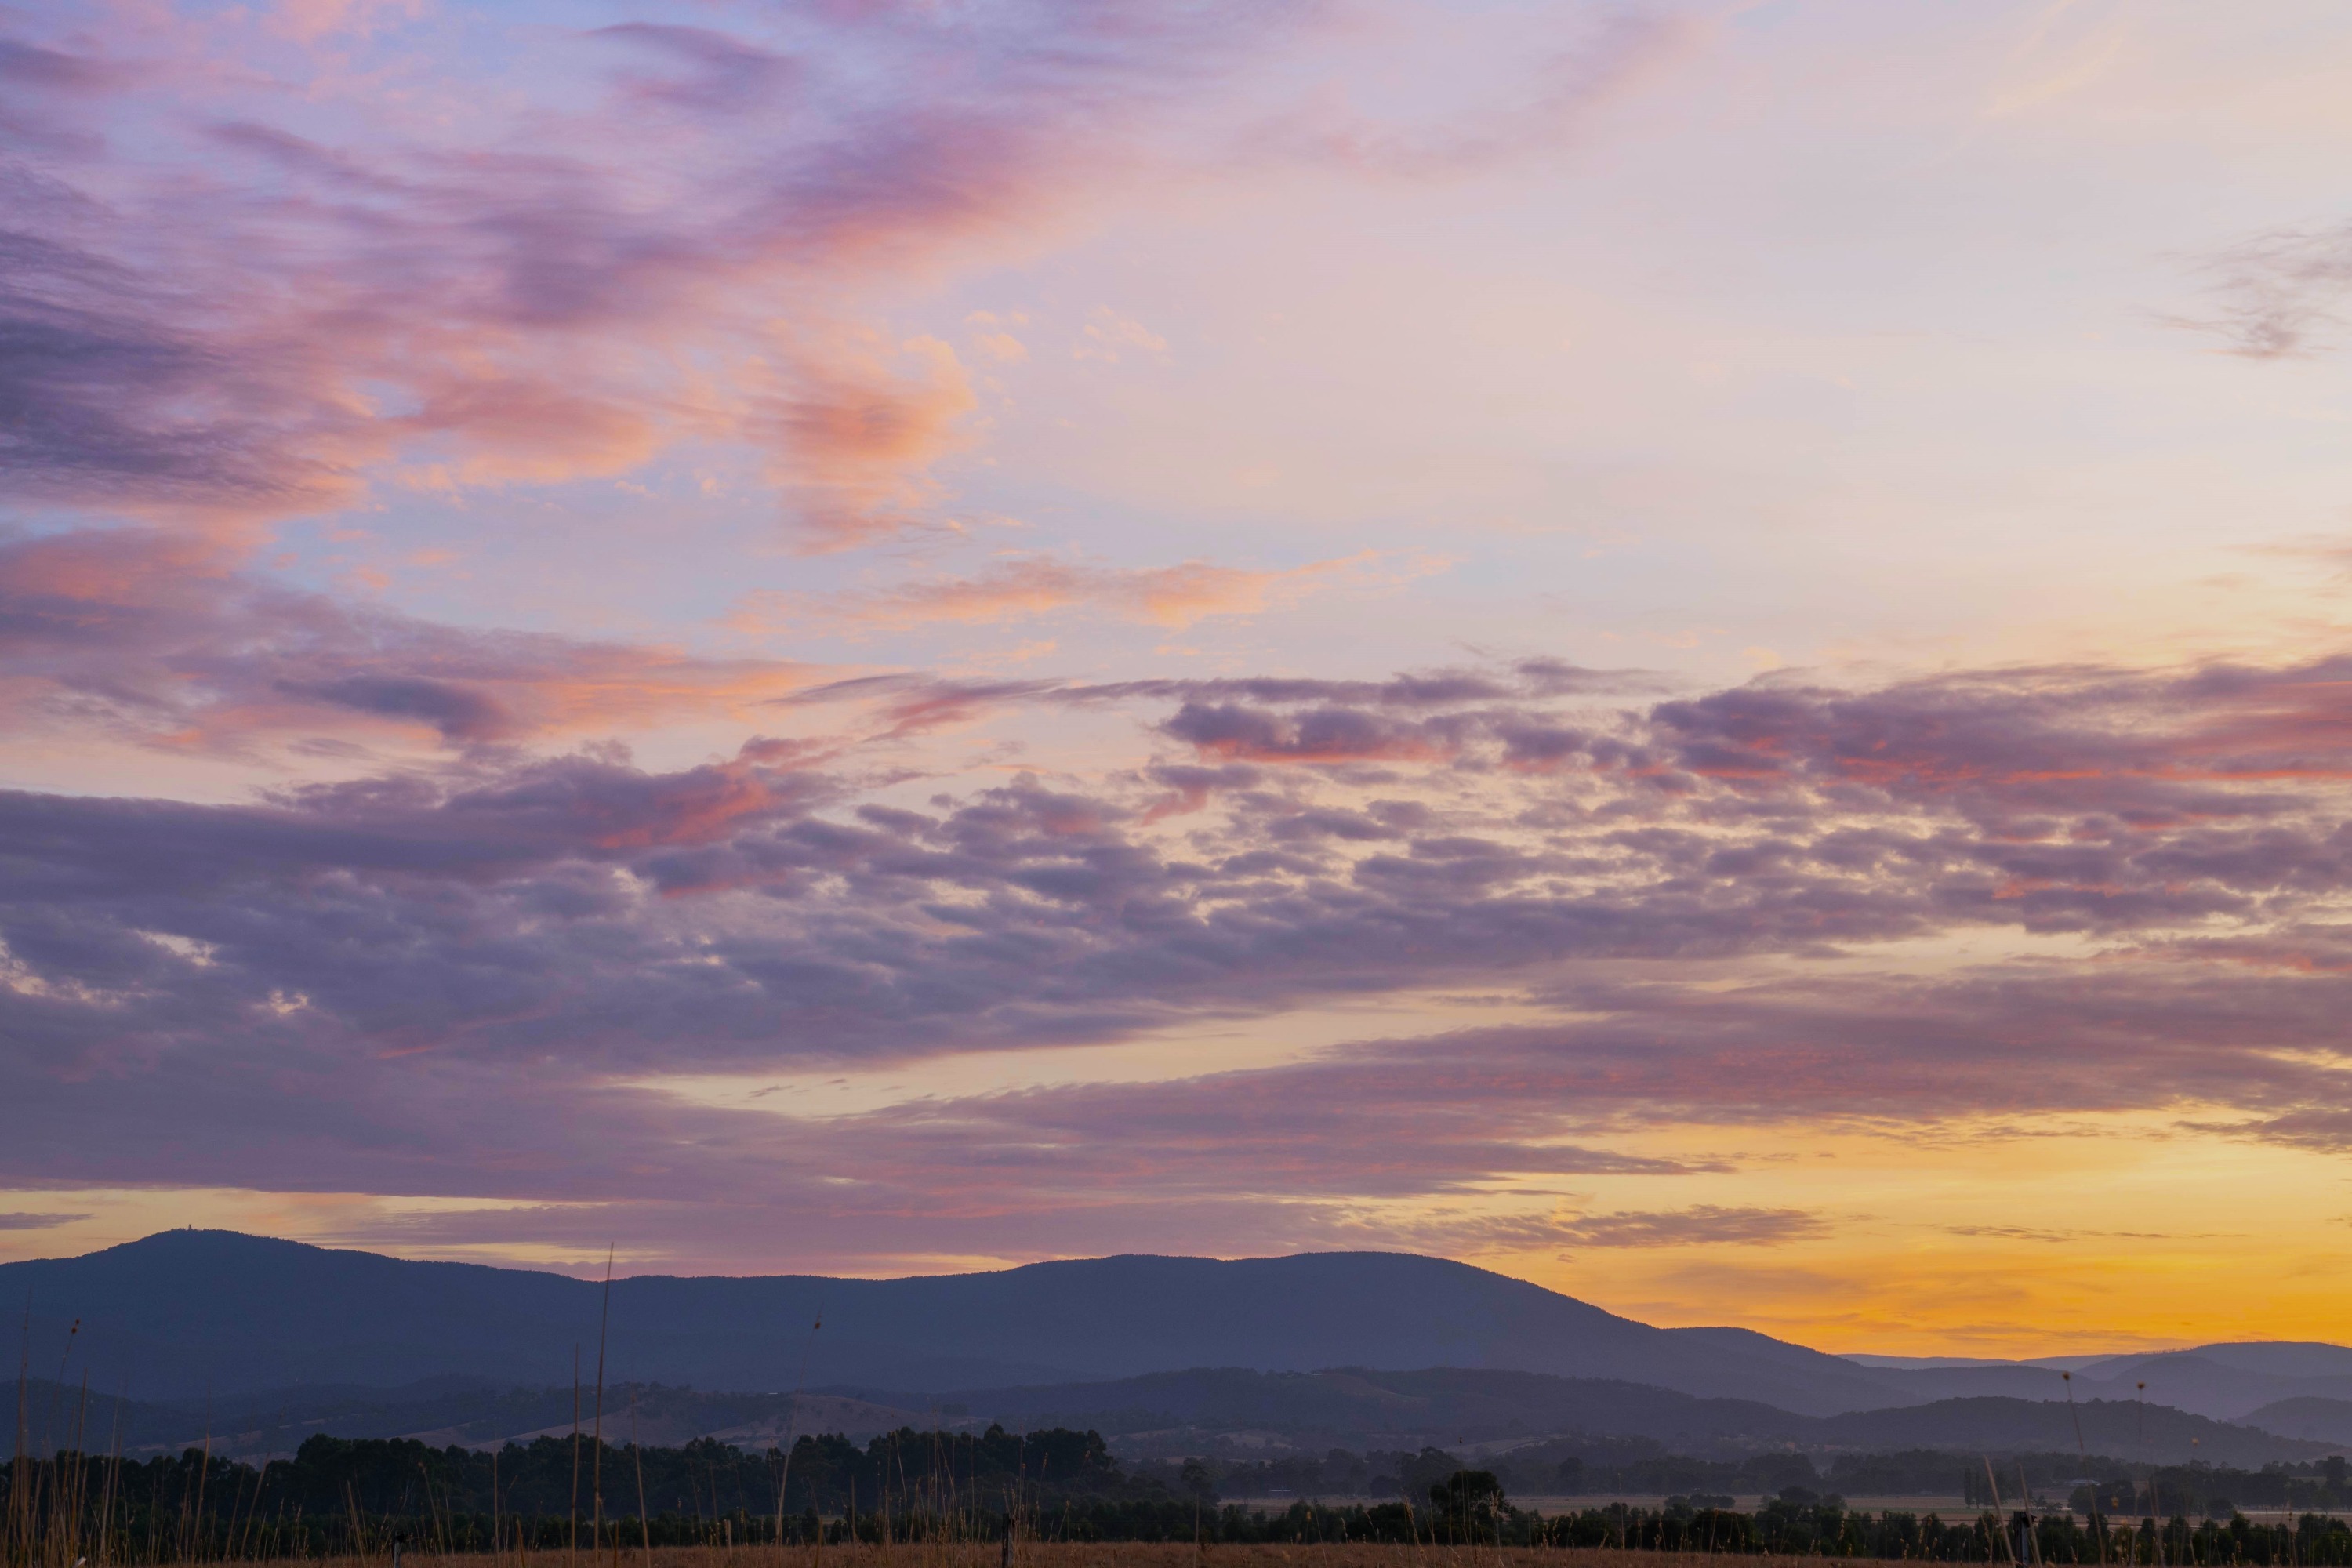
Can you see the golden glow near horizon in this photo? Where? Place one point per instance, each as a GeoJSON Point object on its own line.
{"type": "Point", "coordinates": [1992, 1237]}
{"type": "Point", "coordinates": [2018, 1237]}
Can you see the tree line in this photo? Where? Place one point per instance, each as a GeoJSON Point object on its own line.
{"type": "Point", "coordinates": [339, 1495]}
{"type": "Point", "coordinates": [1577, 1466]}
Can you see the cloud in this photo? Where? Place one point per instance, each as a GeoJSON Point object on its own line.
{"type": "Point", "coordinates": [2278, 291]}
{"type": "Point", "coordinates": [716, 71]}
{"type": "Point", "coordinates": [112, 406]}
{"type": "Point", "coordinates": [34, 68]}
{"type": "Point", "coordinates": [162, 639]}
{"type": "Point", "coordinates": [1687, 906]}
{"type": "Point", "coordinates": [457, 713]}
{"type": "Point", "coordinates": [1232, 731]}
{"type": "Point", "coordinates": [855, 442]}
{"type": "Point", "coordinates": [1002, 347]}
{"type": "Point", "coordinates": [1703, 1225]}
{"type": "Point", "coordinates": [2324, 1129]}
{"type": "Point", "coordinates": [1109, 334]}
{"type": "Point", "coordinates": [37, 1221]}
{"type": "Point", "coordinates": [663, 234]}
{"type": "Point", "coordinates": [606, 265]}
{"type": "Point", "coordinates": [1546, 106]}
{"type": "Point", "coordinates": [2067, 1238]}
{"type": "Point", "coordinates": [1028, 586]}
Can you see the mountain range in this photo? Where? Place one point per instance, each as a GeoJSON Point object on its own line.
{"type": "Point", "coordinates": [274, 1338]}
{"type": "Point", "coordinates": [183, 1313]}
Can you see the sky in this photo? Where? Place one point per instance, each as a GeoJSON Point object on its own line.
{"type": "Point", "coordinates": [1701, 653]}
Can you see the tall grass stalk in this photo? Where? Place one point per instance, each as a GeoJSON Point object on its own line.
{"type": "Point", "coordinates": [596, 1525]}
{"type": "Point", "coordinates": [572, 1540]}
{"type": "Point", "coordinates": [644, 1519]}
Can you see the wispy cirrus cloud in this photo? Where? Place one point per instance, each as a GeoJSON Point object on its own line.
{"type": "Point", "coordinates": [2278, 292]}
{"type": "Point", "coordinates": [709, 71]}
{"type": "Point", "coordinates": [1708, 1225]}
{"type": "Point", "coordinates": [1546, 110]}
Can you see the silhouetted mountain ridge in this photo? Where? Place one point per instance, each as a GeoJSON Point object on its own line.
{"type": "Point", "coordinates": [183, 1312]}
{"type": "Point", "coordinates": [189, 1314]}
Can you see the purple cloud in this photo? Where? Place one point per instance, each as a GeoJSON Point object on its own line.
{"type": "Point", "coordinates": [156, 637]}
{"type": "Point", "coordinates": [719, 72]}
{"type": "Point", "coordinates": [1700, 1225]}
{"type": "Point", "coordinates": [2279, 292]}
{"type": "Point", "coordinates": [342, 288]}
{"type": "Point", "coordinates": [362, 979]}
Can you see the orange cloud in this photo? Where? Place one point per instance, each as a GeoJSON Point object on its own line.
{"type": "Point", "coordinates": [536, 430]}
{"type": "Point", "coordinates": [853, 432]}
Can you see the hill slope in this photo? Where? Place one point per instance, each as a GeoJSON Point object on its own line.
{"type": "Point", "coordinates": [442, 1412]}
{"type": "Point", "coordinates": [182, 1312]}
{"type": "Point", "coordinates": [2227, 1381]}
{"type": "Point", "coordinates": [2309, 1417]}
{"type": "Point", "coordinates": [1357, 1407]}
{"type": "Point", "coordinates": [2121, 1429]}
{"type": "Point", "coordinates": [1446, 1406]}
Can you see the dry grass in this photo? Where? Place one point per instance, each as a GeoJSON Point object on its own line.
{"type": "Point", "coordinates": [1074, 1555]}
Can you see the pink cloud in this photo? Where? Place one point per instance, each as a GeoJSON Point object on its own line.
{"type": "Point", "coordinates": [161, 638]}
{"type": "Point", "coordinates": [1549, 107]}
{"type": "Point", "coordinates": [365, 264]}
{"type": "Point", "coordinates": [2279, 292]}
{"type": "Point", "coordinates": [1028, 586]}
{"type": "Point", "coordinates": [855, 438]}
{"type": "Point", "coordinates": [555, 280]}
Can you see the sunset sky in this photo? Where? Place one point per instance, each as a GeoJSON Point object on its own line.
{"type": "Point", "coordinates": [1701, 653]}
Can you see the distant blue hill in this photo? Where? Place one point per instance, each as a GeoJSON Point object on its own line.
{"type": "Point", "coordinates": [2226, 1381]}
{"type": "Point", "coordinates": [2310, 1417]}
{"type": "Point", "coordinates": [1203, 1410]}
{"type": "Point", "coordinates": [1183, 1411]}
{"type": "Point", "coordinates": [186, 1313]}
